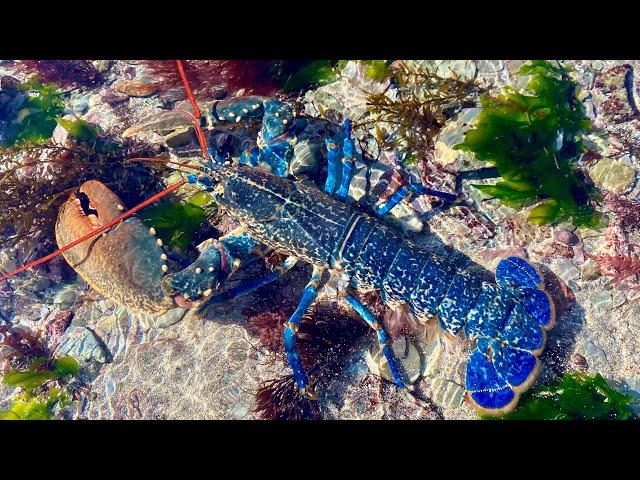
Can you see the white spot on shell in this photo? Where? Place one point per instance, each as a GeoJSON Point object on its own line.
{"type": "Point", "coordinates": [165, 268]}
{"type": "Point", "coordinates": [152, 231]}
{"type": "Point", "coordinates": [159, 242]}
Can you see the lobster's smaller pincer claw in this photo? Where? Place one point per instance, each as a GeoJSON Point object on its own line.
{"type": "Point", "coordinates": [192, 286]}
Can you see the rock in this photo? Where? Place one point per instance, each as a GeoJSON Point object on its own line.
{"type": "Point", "coordinates": [101, 65]}
{"type": "Point", "coordinates": [595, 356]}
{"type": "Point", "coordinates": [405, 353]}
{"type": "Point", "coordinates": [65, 297]}
{"type": "Point", "coordinates": [56, 327]}
{"type": "Point", "coordinates": [83, 345]}
{"type": "Point", "coordinates": [172, 317]}
{"type": "Point", "coordinates": [7, 262]}
{"type": "Point", "coordinates": [614, 94]}
{"type": "Point", "coordinates": [602, 300]}
{"type": "Point", "coordinates": [613, 175]}
{"type": "Point", "coordinates": [590, 270]}
{"type": "Point", "coordinates": [36, 284]}
{"type": "Point", "coordinates": [453, 134]}
{"type": "Point", "coordinates": [135, 88]}
{"type": "Point", "coordinates": [578, 362]}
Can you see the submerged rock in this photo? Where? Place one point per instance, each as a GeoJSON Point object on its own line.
{"type": "Point", "coordinates": [613, 175]}
{"type": "Point", "coordinates": [83, 345]}
{"type": "Point", "coordinates": [614, 94]}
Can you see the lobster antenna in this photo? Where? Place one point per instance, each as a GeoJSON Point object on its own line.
{"type": "Point", "coordinates": [166, 161]}
{"type": "Point", "coordinates": [97, 231]}
{"type": "Point", "coordinates": [196, 111]}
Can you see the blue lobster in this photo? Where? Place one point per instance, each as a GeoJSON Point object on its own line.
{"type": "Point", "coordinates": [508, 319]}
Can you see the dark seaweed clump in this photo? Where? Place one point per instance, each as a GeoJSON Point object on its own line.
{"type": "Point", "coordinates": [324, 340]}
{"type": "Point", "coordinates": [66, 73]}
{"type": "Point", "coordinates": [424, 102]}
{"type": "Point", "coordinates": [575, 396]}
{"type": "Point", "coordinates": [535, 139]}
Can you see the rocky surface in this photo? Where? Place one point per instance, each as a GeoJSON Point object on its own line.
{"type": "Point", "coordinates": [209, 366]}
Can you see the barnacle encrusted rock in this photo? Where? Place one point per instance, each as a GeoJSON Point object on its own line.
{"type": "Point", "coordinates": [614, 94]}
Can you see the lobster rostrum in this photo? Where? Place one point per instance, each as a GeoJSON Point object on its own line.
{"type": "Point", "coordinates": [275, 209]}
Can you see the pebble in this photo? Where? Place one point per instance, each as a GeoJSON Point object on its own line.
{"type": "Point", "coordinates": [595, 356]}
{"type": "Point", "coordinates": [172, 317]}
{"type": "Point", "coordinates": [613, 175]}
{"type": "Point", "coordinates": [614, 94]}
{"type": "Point", "coordinates": [82, 344]}
{"type": "Point", "coordinates": [602, 300]}
{"type": "Point", "coordinates": [405, 353]}
{"type": "Point", "coordinates": [135, 88]}
{"type": "Point", "coordinates": [36, 284]}
{"type": "Point", "coordinates": [590, 270]}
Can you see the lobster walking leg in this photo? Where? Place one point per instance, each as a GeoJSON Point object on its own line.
{"type": "Point", "coordinates": [383, 339]}
{"type": "Point", "coordinates": [252, 285]}
{"type": "Point", "coordinates": [291, 329]}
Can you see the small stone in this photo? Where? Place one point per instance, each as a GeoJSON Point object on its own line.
{"type": "Point", "coordinates": [595, 356]}
{"type": "Point", "coordinates": [135, 88]}
{"type": "Point", "coordinates": [406, 354]}
{"type": "Point", "coordinates": [578, 362]}
{"type": "Point", "coordinates": [602, 300]}
{"type": "Point", "coordinates": [36, 284]}
{"type": "Point", "coordinates": [65, 297]}
{"type": "Point", "coordinates": [7, 262]}
{"type": "Point", "coordinates": [613, 175]}
{"type": "Point", "coordinates": [82, 344]}
{"type": "Point", "coordinates": [101, 65]}
{"type": "Point", "coordinates": [172, 317]}
{"type": "Point", "coordinates": [614, 94]}
{"type": "Point", "coordinates": [590, 270]}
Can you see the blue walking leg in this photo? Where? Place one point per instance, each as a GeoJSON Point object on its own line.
{"type": "Point", "coordinates": [348, 161]}
{"type": "Point", "coordinates": [291, 330]}
{"type": "Point", "coordinates": [405, 191]}
{"type": "Point", "coordinates": [252, 285]}
{"type": "Point", "coordinates": [383, 340]}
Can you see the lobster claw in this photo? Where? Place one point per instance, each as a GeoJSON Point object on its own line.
{"type": "Point", "coordinates": [192, 286]}
{"type": "Point", "coordinates": [125, 263]}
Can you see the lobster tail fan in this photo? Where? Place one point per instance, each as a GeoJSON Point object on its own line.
{"type": "Point", "coordinates": [505, 362]}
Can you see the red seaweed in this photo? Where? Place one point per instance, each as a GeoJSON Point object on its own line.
{"type": "Point", "coordinates": [209, 78]}
{"type": "Point", "coordinates": [65, 73]}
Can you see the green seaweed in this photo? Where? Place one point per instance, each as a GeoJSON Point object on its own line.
{"type": "Point", "coordinates": [378, 70]}
{"type": "Point", "coordinates": [300, 75]}
{"type": "Point", "coordinates": [26, 407]}
{"type": "Point", "coordinates": [176, 222]}
{"type": "Point", "coordinates": [36, 376]}
{"type": "Point", "coordinates": [534, 139]}
{"type": "Point", "coordinates": [79, 129]}
{"type": "Point", "coordinates": [575, 396]}
{"type": "Point", "coordinates": [37, 119]}
{"type": "Point", "coordinates": [34, 404]}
